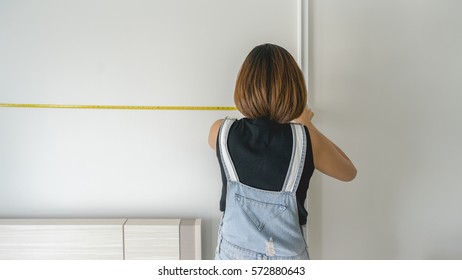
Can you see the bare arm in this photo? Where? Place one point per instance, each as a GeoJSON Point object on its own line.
{"type": "Point", "coordinates": [213, 134]}
{"type": "Point", "coordinates": [328, 158]}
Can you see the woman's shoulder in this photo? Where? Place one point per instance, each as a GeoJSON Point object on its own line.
{"type": "Point", "coordinates": [213, 133]}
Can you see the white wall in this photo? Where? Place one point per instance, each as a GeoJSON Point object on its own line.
{"type": "Point", "coordinates": [62, 163]}
{"type": "Point", "coordinates": [385, 80]}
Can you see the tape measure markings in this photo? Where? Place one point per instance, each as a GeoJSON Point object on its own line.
{"type": "Point", "coordinates": [118, 107]}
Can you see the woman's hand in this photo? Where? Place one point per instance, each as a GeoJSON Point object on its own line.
{"type": "Point", "coordinates": [305, 117]}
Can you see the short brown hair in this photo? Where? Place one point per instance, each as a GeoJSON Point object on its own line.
{"type": "Point", "coordinates": [270, 84]}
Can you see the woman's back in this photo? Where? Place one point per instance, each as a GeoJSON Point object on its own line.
{"type": "Point", "coordinates": [261, 151]}
{"type": "Point", "coordinates": [257, 223]}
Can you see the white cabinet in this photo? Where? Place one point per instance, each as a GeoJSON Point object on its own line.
{"type": "Point", "coordinates": [92, 239]}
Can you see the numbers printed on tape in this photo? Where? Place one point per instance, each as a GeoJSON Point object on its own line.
{"type": "Point", "coordinates": [118, 107]}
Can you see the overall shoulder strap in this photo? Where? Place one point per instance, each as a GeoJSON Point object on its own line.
{"type": "Point", "coordinates": [230, 171]}
{"type": "Point", "coordinates": [297, 161]}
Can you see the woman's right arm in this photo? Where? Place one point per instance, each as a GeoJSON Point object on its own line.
{"type": "Point", "coordinates": [328, 158]}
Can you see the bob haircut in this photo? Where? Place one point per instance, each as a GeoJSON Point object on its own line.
{"type": "Point", "coordinates": [270, 84]}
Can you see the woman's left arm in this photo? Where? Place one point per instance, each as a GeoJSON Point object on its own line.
{"type": "Point", "coordinates": [213, 134]}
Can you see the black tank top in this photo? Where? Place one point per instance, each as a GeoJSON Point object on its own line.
{"type": "Point", "coordinates": [261, 150]}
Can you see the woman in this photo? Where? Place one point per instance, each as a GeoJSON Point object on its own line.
{"type": "Point", "coordinates": [267, 160]}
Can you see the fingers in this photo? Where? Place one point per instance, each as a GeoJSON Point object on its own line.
{"type": "Point", "coordinates": [308, 114]}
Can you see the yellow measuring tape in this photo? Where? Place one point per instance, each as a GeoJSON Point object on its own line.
{"type": "Point", "coordinates": [118, 107]}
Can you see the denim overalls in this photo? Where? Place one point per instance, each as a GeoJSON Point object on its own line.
{"type": "Point", "coordinates": [260, 224]}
